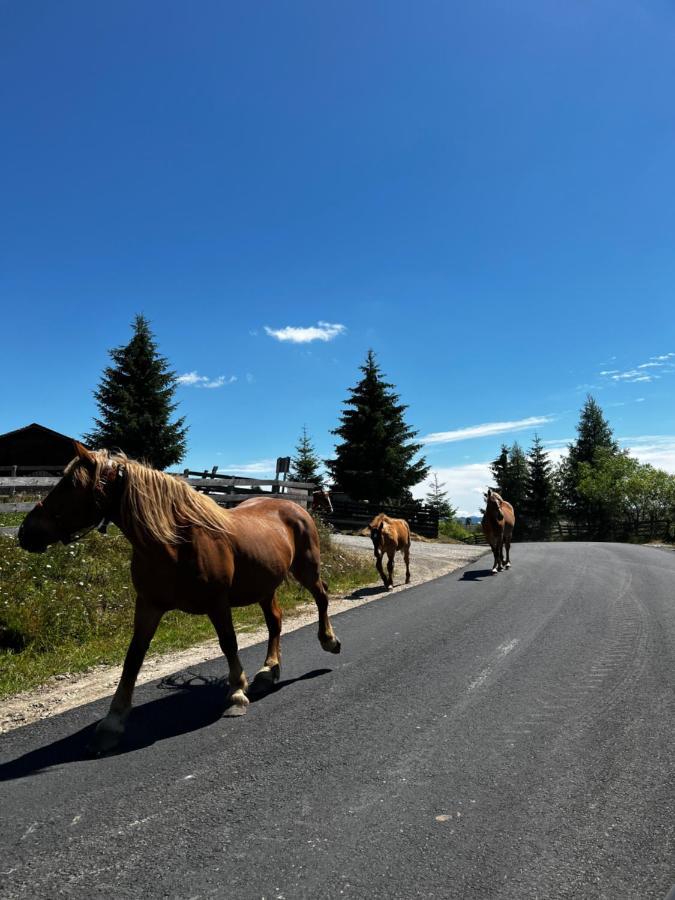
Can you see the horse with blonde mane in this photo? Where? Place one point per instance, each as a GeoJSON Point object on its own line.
{"type": "Point", "coordinates": [498, 522]}
{"type": "Point", "coordinates": [188, 554]}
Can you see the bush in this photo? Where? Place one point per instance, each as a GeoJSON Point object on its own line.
{"type": "Point", "coordinates": [453, 529]}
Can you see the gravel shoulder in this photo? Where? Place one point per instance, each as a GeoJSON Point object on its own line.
{"type": "Point", "coordinates": [63, 692]}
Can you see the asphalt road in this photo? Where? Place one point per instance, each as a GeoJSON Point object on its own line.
{"type": "Point", "coordinates": [479, 736]}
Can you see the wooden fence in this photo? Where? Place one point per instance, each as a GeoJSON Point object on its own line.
{"type": "Point", "coordinates": [229, 490]}
{"type": "Point", "coordinates": [353, 515]}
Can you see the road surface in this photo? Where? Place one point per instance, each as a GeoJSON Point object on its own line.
{"type": "Point", "coordinates": [479, 736]}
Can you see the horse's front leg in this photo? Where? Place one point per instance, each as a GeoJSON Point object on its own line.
{"type": "Point", "coordinates": [378, 566]}
{"type": "Point", "coordinates": [266, 677]}
{"type": "Point", "coordinates": [221, 617]}
{"type": "Point", "coordinates": [496, 552]}
{"type": "Point", "coordinates": [390, 569]}
{"type": "Point", "coordinates": [507, 545]}
{"type": "Point", "coordinates": [110, 730]}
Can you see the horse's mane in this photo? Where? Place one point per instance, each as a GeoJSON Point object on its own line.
{"type": "Point", "coordinates": [154, 505]}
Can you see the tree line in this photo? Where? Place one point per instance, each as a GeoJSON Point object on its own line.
{"type": "Point", "coordinates": [598, 488]}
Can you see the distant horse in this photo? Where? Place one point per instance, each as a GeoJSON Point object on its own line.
{"type": "Point", "coordinates": [498, 523]}
{"type": "Point", "coordinates": [188, 554]}
{"type": "Point", "coordinates": [321, 500]}
{"type": "Point", "coordinates": [389, 535]}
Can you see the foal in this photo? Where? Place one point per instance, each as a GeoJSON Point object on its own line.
{"type": "Point", "coordinates": [389, 535]}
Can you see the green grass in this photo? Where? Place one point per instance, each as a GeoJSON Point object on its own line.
{"type": "Point", "coordinates": [11, 518]}
{"type": "Point", "coordinates": [72, 607]}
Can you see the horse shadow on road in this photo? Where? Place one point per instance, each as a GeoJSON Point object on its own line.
{"type": "Point", "coordinates": [476, 575]}
{"type": "Point", "coordinates": [191, 701]}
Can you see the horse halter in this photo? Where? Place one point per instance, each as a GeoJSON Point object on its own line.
{"type": "Point", "coordinates": [99, 494]}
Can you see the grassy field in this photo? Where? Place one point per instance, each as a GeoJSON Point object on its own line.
{"type": "Point", "coordinates": [72, 607]}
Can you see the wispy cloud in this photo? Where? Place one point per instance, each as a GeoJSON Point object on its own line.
{"type": "Point", "coordinates": [322, 331]}
{"type": "Point", "coordinates": [665, 362]}
{"type": "Point", "coordinates": [485, 430]}
{"type": "Point", "coordinates": [258, 467]}
{"type": "Point", "coordinates": [193, 379]}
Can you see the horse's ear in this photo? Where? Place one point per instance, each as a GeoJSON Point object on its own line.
{"type": "Point", "coordinates": [489, 492]}
{"type": "Point", "coordinates": [84, 454]}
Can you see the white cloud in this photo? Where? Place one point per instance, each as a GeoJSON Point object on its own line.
{"type": "Point", "coordinates": [632, 376]}
{"type": "Point", "coordinates": [192, 379]}
{"type": "Point", "coordinates": [258, 467]}
{"type": "Point", "coordinates": [485, 430]}
{"type": "Point", "coordinates": [322, 331]}
{"type": "Point", "coordinates": [636, 375]}
{"type": "Point", "coordinates": [465, 486]}
{"type": "Point", "coordinates": [656, 449]}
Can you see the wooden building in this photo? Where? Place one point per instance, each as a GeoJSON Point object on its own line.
{"type": "Point", "coordinates": [34, 449]}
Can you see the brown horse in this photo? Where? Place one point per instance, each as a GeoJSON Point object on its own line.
{"type": "Point", "coordinates": [188, 554]}
{"type": "Point", "coordinates": [498, 523]}
{"type": "Point", "coordinates": [321, 501]}
{"type": "Point", "coordinates": [389, 535]}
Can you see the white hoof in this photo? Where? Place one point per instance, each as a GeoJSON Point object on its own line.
{"type": "Point", "coordinates": [238, 704]}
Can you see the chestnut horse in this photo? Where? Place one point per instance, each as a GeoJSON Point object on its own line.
{"type": "Point", "coordinates": [389, 535]}
{"type": "Point", "coordinates": [321, 501]}
{"type": "Point", "coordinates": [188, 554]}
{"type": "Point", "coordinates": [498, 522]}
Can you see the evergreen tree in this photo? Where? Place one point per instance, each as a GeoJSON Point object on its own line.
{"type": "Point", "coordinates": [375, 460]}
{"type": "Point", "coordinates": [595, 443]}
{"type": "Point", "coordinates": [499, 468]}
{"type": "Point", "coordinates": [437, 499]}
{"type": "Point", "coordinates": [516, 484]}
{"type": "Point", "coordinates": [135, 400]}
{"type": "Point", "coordinates": [540, 501]}
{"type": "Point", "coordinates": [305, 464]}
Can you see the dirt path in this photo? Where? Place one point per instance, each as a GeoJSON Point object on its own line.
{"type": "Point", "coordinates": [63, 692]}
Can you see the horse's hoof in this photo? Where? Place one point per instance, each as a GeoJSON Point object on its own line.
{"type": "Point", "coordinates": [331, 645]}
{"type": "Point", "coordinates": [507, 566]}
{"type": "Point", "coordinates": [495, 571]}
{"type": "Point", "coordinates": [107, 737]}
{"type": "Point", "coordinates": [238, 704]}
{"type": "Point", "coordinates": [268, 675]}
{"type": "Point", "coordinates": [407, 581]}
{"type": "Point", "coordinates": [264, 680]}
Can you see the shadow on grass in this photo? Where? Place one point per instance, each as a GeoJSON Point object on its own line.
{"type": "Point", "coordinates": [190, 702]}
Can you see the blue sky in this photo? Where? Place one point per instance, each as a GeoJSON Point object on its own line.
{"type": "Point", "coordinates": [482, 193]}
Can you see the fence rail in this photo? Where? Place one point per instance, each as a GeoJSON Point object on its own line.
{"type": "Point", "coordinates": [353, 515]}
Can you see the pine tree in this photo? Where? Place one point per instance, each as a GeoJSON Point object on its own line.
{"type": "Point", "coordinates": [305, 464]}
{"type": "Point", "coordinates": [510, 473]}
{"type": "Point", "coordinates": [375, 460]}
{"type": "Point", "coordinates": [540, 501]}
{"type": "Point", "coordinates": [437, 499]}
{"type": "Point", "coordinates": [135, 400]}
{"type": "Point", "coordinates": [595, 443]}
{"type": "Point", "coordinates": [499, 468]}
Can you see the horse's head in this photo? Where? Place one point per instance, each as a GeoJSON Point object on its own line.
{"type": "Point", "coordinates": [378, 527]}
{"type": "Point", "coordinates": [81, 499]}
{"type": "Point", "coordinates": [321, 500]}
{"type": "Point", "coordinates": [493, 505]}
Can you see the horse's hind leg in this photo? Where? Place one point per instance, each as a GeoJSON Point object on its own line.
{"type": "Point", "coordinates": [221, 617]}
{"type": "Point", "coordinates": [406, 559]}
{"type": "Point", "coordinates": [110, 730]}
{"type": "Point", "coordinates": [271, 671]}
{"type": "Point", "coordinates": [307, 573]}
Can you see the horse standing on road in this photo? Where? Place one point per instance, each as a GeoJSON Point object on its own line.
{"type": "Point", "coordinates": [188, 554]}
{"type": "Point", "coordinates": [389, 535]}
{"type": "Point", "coordinates": [498, 522]}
